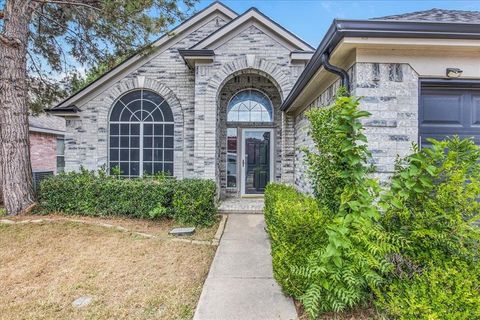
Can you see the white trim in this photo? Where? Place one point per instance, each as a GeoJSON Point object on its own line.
{"type": "Point", "coordinates": [173, 34]}
{"type": "Point", "coordinates": [192, 60]}
{"type": "Point", "coordinates": [242, 156]}
{"type": "Point", "coordinates": [252, 14]}
{"type": "Point", "coordinates": [301, 56]}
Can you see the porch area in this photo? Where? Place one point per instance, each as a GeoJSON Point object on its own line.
{"type": "Point", "coordinates": [241, 205]}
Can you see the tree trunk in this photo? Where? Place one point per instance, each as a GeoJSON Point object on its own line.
{"type": "Point", "coordinates": [16, 170]}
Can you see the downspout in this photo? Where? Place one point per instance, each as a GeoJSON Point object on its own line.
{"type": "Point", "coordinates": [345, 78]}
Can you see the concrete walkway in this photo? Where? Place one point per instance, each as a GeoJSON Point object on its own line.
{"type": "Point", "coordinates": [240, 284]}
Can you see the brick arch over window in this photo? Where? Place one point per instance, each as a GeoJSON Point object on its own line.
{"type": "Point", "coordinates": [258, 66]}
{"type": "Point", "coordinates": [205, 151]}
{"type": "Point", "coordinates": [126, 85]}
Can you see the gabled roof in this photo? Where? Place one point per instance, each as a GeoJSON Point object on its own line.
{"type": "Point", "coordinates": [437, 15]}
{"type": "Point", "coordinates": [253, 14]}
{"type": "Point", "coordinates": [215, 8]}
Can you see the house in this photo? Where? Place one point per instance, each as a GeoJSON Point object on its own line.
{"type": "Point", "coordinates": [46, 134]}
{"type": "Point", "coordinates": [46, 144]}
{"type": "Point", "coordinates": [223, 96]}
{"type": "Point", "coordinates": [418, 75]}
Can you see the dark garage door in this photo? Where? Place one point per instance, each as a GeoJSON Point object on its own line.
{"type": "Point", "coordinates": [447, 111]}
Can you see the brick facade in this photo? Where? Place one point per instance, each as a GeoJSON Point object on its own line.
{"type": "Point", "coordinates": [198, 98]}
{"type": "Point", "coordinates": [43, 151]}
{"type": "Point", "coordinates": [390, 93]}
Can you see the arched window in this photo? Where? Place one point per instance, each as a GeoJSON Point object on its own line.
{"type": "Point", "coordinates": [141, 134]}
{"type": "Point", "coordinates": [250, 106]}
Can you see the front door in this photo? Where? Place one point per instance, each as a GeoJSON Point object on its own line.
{"type": "Point", "coordinates": [257, 156]}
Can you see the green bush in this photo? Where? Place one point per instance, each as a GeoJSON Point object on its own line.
{"type": "Point", "coordinates": [347, 256]}
{"type": "Point", "coordinates": [446, 292]}
{"type": "Point", "coordinates": [413, 247]}
{"type": "Point", "coordinates": [296, 228]}
{"type": "Point", "coordinates": [96, 194]}
{"type": "Point", "coordinates": [194, 201]}
{"type": "Point", "coordinates": [433, 202]}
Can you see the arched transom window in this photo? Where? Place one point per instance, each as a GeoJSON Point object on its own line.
{"type": "Point", "coordinates": [250, 106]}
{"type": "Point", "coordinates": [141, 134]}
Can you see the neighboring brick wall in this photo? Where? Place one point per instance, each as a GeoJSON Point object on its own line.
{"type": "Point", "coordinates": [43, 151]}
{"type": "Point", "coordinates": [390, 93]}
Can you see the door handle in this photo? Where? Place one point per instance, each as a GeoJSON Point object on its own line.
{"type": "Point", "coordinates": [243, 163]}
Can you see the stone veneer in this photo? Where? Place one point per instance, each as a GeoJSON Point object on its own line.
{"type": "Point", "coordinates": [251, 51]}
{"type": "Point", "coordinates": [390, 93]}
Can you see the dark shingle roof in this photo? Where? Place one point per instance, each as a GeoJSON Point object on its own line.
{"type": "Point", "coordinates": [437, 15]}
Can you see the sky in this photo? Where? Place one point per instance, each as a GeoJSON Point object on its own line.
{"type": "Point", "coordinates": [310, 19]}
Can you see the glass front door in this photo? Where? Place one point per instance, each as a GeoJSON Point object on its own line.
{"type": "Point", "coordinates": [257, 169]}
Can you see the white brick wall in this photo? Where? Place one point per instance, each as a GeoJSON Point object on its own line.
{"type": "Point", "coordinates": [390, 93]}
{"type": "Point", "coordinates": [194, 98]}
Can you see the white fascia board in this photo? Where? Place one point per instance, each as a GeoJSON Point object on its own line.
{"type": "Point", "coordinates": [192, 60]}
{"type": "Point", "coordinates": [210, 41]}
{"type": "Point", "coordinates": [138, 58]}
{"type": "Point", "coordinates": [301, 56]}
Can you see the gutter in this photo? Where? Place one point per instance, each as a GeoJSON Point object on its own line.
{"type": "Point", "coordinates": [376, 29]}
{"type": "Point", "coordinates": [336, 70]}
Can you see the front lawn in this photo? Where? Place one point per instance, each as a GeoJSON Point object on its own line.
{"type": "Point", "coordinates": [45, 266]}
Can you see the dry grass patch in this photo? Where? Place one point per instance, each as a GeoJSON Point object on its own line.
{"type": "Point", "coordinates": [45, 267]}
{"type": "Point", "coordinates": [159, 227]}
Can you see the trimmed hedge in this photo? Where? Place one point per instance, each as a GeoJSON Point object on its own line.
{"type": "Point", "coordinates": [88, 193]}
{"type": "Point", "coordinates": [296, 228]}
{"type": "Point", "coordinates": [194, 201]}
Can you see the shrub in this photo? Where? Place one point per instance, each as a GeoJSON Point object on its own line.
{"type": "Point", "coordinates": [296, 228]}
{"type": "Point", "coordinates": [194, 201]}
{"type": "Point", "coordinates": [96, 194]}
{"type": "Point", "coordinates": [348, 254]}
{"type": "Point", "coordinates": [354, 259]}
{"type": "Point", "coordinates": [433, 202]}
{"type": "Point", "coordinates": [447, 292]}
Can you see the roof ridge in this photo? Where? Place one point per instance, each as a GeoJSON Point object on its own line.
{"type": "Point", "coordinates": [253, 8]}
{"type": "Point", "coordinates": [131, 58]}
{"type": "Point", "coordinates": [435, 14]}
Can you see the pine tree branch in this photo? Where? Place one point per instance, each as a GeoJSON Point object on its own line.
{"type": "Point", "coordinates": [74, 33]}
{"type": "Point", "coordinates": [72, 3]}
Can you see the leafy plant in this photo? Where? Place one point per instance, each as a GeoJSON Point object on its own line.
{"type": "Point", "coordinates": [348, 256]}
{"type": "Point", "coordinates": [449, 291]}
{"type": "Point", "coordinates": [97, 194]}
{"type": "Point", "coordinates": [194, 201]}
{"type": "Point", "coordinates": [354, 259]}
{"type": "Point", "coordinates": [433, 203]}
{"type": "Point", "coordinates": [296, 227]}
